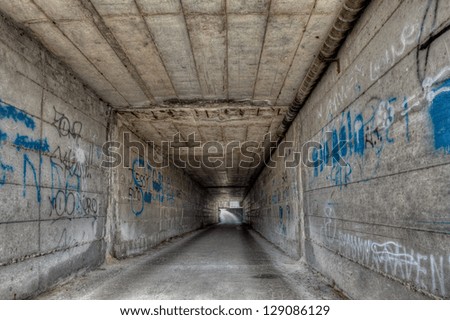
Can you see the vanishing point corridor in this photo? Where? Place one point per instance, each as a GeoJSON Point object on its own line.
{"type": "Point", "coordinates": [225, 149]}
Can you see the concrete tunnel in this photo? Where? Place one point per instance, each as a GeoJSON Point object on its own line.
{"type": "Point", "coordinates": [224, 149]}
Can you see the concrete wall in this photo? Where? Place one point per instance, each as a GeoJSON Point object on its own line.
{"type": "Point", "coordinates": [273, 205]}
{"type": "Point", "coordinates": [378, 227]}
{"type": "Point", "coordinates": [52, 190]}
{"type": "Point", "coordinates": [154, 204]}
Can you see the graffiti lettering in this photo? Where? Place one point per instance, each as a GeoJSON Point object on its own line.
{"type": "Point", "coordinates": [148, 186]}
{"type": "Point", "coordinates": [72, 203]}
{"type": "Point", "coordinates": [8, 111]}
{"type": "Point", "coordinates": [65, 127]}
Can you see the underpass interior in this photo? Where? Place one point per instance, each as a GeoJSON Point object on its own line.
{"type": "Point", "coordinates": [226, 149]}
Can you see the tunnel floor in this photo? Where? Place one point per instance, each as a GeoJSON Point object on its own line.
{"type": "Point", "coordinates": [224, 261]}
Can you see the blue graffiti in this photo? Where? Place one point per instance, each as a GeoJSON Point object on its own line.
{"type": "Point", "coordinates": [282, 218]}
{"type": "Point", "coordinates": [275, 199]}
{"type": "Point", "coordinates": [66, 174]}
{"type": "Point", "coordinates": [390, 114]}
{"type": "Point", "coordinates": [359, 143]}
{"type": "Point", "coordinates": [148, 186]}
{"type": "Point", "coordinates": [335, 148]}
{"type": "Point", "coordinates": [30, 170]}
{"type": "Point", "coordinates": [315, 160]}
{"type": "Point", "coordinates": [354, 136]}
{"type": "Point", "coordinates": [8, 111]}
{"type": "Point", "coordinates": [440, 116]}
{"type": "Point", "coordinates": [406, 108]}
{"type": "Point", "coordinates": [145, 196]}
{"type": "Point", "coordinates": [3, 136]}
{"type": "Point", "coordinates": [340, 175]}
{"type": "Point", "coordinates": [28, 143]}
{"type": "Point", "coordinates": [27, 163]}
{"type": "Point", "coordinates": [158, 186]}
{"type": "Point", "coordinates": [4, 172]}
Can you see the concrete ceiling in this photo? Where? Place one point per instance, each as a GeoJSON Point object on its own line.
{"type": "Point", "coordinates": [224, 69]}
{"type": "Point", "coordinates": [210, 122]}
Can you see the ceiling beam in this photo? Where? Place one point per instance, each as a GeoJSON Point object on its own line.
{"type": "Point", "coordinates": [117, 48]}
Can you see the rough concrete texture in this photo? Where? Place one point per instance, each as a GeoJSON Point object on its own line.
{"type": "Point", "coordinates": [379, 227]}
{"type": "Point", "coordinates": [224, 124]}
{"type": "Point", "coordinates": [203, 266]}
{"type": "Point", "coordinates": [154, 204]}
{"type": "Point", "coordinates": [52, 189]}
{"type": "Point", "coordinates": [55, 196]}
{"type": "Point", "coordinates": [142, 56]}
{"type": "Point", "coordinates": [146, 52]}
{"type": "Point", "coordinates": [272, 207]}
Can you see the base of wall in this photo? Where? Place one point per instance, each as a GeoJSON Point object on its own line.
{"type": "Point", "coordinates": [353, 280]}
{"type": "Point", "coordinates": [31, 277]}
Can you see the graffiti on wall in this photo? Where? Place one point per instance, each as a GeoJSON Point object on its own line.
{"type": "Point", "coordinates": [427, 271]}
{"type": "Point", "coordinates": [435, 88]}
{"type": "Point", "coordinates": [438, 95]}
{"type": "Point", "coordinates": [353, 135]}
{"type": "Point", "coordinates": [272, 198]}
{"type": "Point", "coordinates": [69, 165]}
{"type": "Point", "coordinates": [360, 131]}
{"type": "Point", "coordinates": [70, 169]}
{"type": "Point", "coordinates": [148, 186]}
{"type": "Point", "coordinates": [284, 218]}
{"type": "Point", "coordinates": [65, 127]}
{"type": "Point", "coordinates": [22, 142]}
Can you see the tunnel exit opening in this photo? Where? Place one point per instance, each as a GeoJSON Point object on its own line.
{"type": "Point", "coordinates": [230, 215]}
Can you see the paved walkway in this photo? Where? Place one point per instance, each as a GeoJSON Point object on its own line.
{"type": "Point", "coordinates": [221, 262]}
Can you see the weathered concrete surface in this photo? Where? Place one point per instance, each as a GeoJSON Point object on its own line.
{"type": "Point", "coordinates": [203, 266]}
{"type": "Point", "coordinates": [153, 204]}
{"type": "Point", "coordinates": [226, 125]}
{"type": "Point", "coordinates": [272, 207]}
{"type": "Point", "coordinates": [379, 227]}
{"type": "Point", "coordinates": [61, 211]}
{"type": "Point", "coordinates": [52, 189]}
{"type": "Point", "coordinates": [146, 52]}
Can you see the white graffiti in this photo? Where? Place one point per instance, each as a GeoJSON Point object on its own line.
{"type": "Point", "coordinates": [409, 36]}
{"type": "Point", "coordinates": [329, 227]}
{"type": "Point", "coordinates": [384, 116]}
{"type": "Point", "coordinates": [427, 272]}
{"type": "Point", "coordinates": [351, 87]}
{"type": "Point", "coordinates": [426, 92]}
{"type": "Point", "coordinates": [390, 252]}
